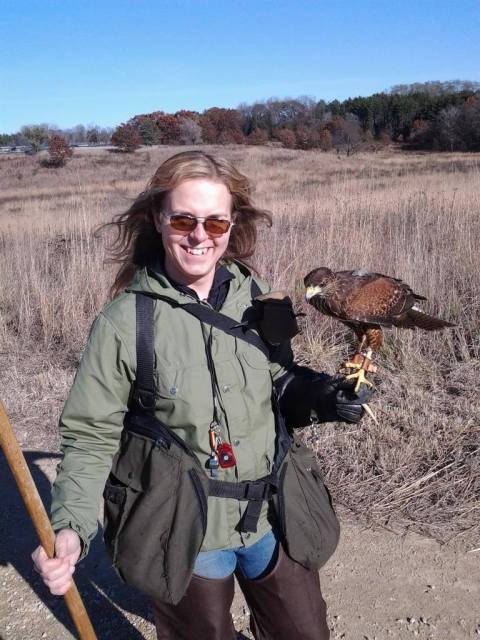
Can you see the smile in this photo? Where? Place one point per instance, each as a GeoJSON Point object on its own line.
{"type": "Point", "coordinates": [196, 252]}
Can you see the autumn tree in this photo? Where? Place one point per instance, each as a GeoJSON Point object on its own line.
{"type": "Point", "coordinates": [184, 113]}
{"type": "Point", "coordinates": [325, 140]}
{"type": "Point", "coordinates": [257, 137]}
{"type": "Point", "coordinates": [286, 137]}
{"type": "Point", "coordinates": [308, 137]}
{"type": "Point", "coordinates": [222, 126]}
{"type": "Point", "coordinates": [168, 128]}
{"type": "Point", "coordinates": [58, 152]}
{"type": "Point", "coordinates": [126, 138]}
{"type": "Point", "coordinates": [231, 136]}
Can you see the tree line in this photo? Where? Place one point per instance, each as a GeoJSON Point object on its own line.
{"type": "Point", "coordinates": [37, 135]}
{"type": "Point", "coordinates": [432, 115]}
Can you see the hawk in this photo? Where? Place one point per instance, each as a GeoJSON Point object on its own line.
{"type": "Point", "coordinates": [366, 302]}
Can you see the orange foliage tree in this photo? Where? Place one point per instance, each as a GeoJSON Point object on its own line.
{"type": "Point", "coordinates": [58, 151]}
{"type": "Point", "coordinates": [257, 136]}
{"type": "Point", "coordinates": [126, 138]}
{"type": "Point", "coordinates": [222, 126]}
{"type": "Point", "coordinates": [287, 137]}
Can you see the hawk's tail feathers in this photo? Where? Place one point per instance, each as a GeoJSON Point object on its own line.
{"type": "Point", "coordinates": [424, 321]}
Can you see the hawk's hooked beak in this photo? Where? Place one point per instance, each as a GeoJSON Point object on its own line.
{"type": "Point", "coordinates": [312, 290]}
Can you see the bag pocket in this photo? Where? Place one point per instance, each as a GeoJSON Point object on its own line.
{"type": "Point", "coordinates": [118, 499]}
{"type": "Point", "coordinates": [155, 517]}
{"type": "Point", "coordinates": [304, 509]}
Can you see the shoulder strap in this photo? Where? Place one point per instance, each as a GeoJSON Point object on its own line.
{"type": "Point", "coordinates": [221, 321]}
{"type": "Point", "coordinates": [144, 393]}
{"type": "Point", "coordinates": [227, 324]}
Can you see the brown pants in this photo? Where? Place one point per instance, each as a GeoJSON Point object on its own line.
{"type": "Point", "coordinates": [286, 604]}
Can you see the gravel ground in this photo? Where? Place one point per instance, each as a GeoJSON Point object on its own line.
{"type": "Point", "coordinates": [378, 585]}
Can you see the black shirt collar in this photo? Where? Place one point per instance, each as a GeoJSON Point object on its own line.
{"type": "Point", "coordinates": [218, 291]}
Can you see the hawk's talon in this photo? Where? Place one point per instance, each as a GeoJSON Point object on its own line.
{"type": "Point", "coordinates": [352, 365]}
{"type": "Point", "coordinates": [360, 377]}
{"type": "Point", "coordinates": [363, 364]}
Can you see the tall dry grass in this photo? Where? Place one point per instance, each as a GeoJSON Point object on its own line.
{"type": "Point", "coordinates": [411, 216]}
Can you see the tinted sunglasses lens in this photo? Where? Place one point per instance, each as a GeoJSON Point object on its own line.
{"type": "Point", "coordinates": [187, 224]}
{"type": "Point", "coordinates": [183, 223]}
{"type": "Point", "coordinates": [216, 227]}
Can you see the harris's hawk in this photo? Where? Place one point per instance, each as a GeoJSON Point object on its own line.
{"type": "Point", "coordinates": [366, 302]}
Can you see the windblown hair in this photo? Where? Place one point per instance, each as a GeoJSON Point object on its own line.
{"type": "Point", "coordinates": [138, 244]}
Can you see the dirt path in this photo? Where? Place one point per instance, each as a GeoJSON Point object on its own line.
{"type": "Point", "coordinates": [378, 585]}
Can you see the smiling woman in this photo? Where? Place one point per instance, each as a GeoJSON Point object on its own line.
{"type": "Point", "coordinates": [182, 415]}
{"type": "Point", "coordinates": [191, 256]}
{"type": "Point", "coordinates": [222, 191]}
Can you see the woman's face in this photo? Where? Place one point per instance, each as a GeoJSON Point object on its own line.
{"type": "Point", "coordinates": [191, 258]}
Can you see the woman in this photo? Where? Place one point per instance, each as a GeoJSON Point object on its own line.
{"type": "Point", "coordinates": [180, 245]}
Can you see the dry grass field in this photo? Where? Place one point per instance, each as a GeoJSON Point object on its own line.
{"type": "Point", "coordinates": [411, 216]}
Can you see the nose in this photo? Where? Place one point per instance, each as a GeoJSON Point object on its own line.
{"type": "Point", "coordinates": [198, 234]}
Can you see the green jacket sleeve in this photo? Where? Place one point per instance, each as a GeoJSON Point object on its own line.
{"type": "Point", "coordinates": [90, 428]}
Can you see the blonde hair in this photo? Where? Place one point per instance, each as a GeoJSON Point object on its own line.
{"type": "Point", "coordinates": [138, 243]}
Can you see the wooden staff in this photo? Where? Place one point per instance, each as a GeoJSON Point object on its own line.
{"type": "Point", "coordinates": [38, 515]}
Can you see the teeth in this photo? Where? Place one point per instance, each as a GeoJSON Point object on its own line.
{"type": "Point", "coordinates": [196, 252]}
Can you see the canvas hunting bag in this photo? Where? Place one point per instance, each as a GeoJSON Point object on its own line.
{"type": "Point", "coordinates": [155, 498]}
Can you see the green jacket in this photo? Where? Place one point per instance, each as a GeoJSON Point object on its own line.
{"type": "Point", "coordinates": [92, 419]}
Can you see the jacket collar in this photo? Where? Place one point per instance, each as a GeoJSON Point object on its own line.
{"type": "Point", "coordinates": [218, 291]}
{"type": "Point", "coordinates": [154, 281]}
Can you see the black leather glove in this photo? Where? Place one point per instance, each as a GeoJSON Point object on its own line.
{"type": "Point", "coordinates": [306, 396]}
{"type": "Point", "coordinates": [336, 400]}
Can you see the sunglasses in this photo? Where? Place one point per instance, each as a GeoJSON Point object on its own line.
{"type": "Point", "coordinates": [186, 224]}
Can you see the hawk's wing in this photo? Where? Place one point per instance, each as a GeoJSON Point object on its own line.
{"type": "Point", "coordinates": [377, 299]}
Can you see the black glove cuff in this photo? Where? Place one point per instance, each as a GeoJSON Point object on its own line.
{"type": "Point", "coordinates": [297, 394]}
{"type": "Point", "coordinates": [306, 396]}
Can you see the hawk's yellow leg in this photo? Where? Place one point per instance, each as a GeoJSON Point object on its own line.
{"type": "Point", "coordinates": [362, 362]}
{"type": "Point", "coordinates": [359, 376]}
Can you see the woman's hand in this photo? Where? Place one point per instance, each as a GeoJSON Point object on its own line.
{"type": "Point", "coordinates": [349, 403]}
{"type": "Point", "coordinates": [57, 572]}
{"type": "Point", "coordinates": [306, 395]}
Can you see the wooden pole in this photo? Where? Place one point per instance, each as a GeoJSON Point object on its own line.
{"type": "Point", "coordinates": [38, 515]}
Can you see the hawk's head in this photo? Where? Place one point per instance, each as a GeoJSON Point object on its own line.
{"type": "Point", "coordinates": [319, 282]}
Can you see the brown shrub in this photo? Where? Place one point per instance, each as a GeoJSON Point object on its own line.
{"type": "Point", "coordinates": [58, 152]}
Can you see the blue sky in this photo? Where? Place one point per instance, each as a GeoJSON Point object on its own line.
{"type": "Point", "coordinates": [78, 61]}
